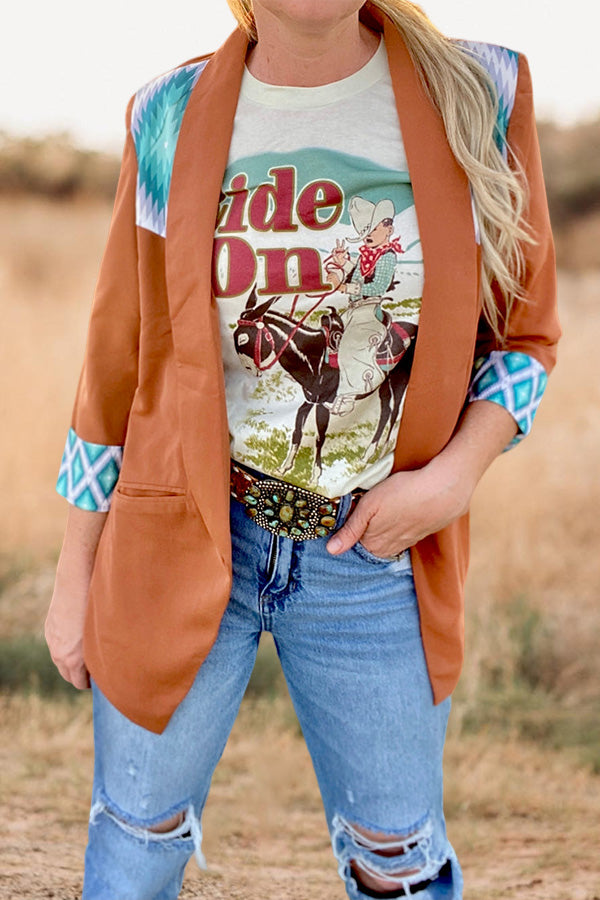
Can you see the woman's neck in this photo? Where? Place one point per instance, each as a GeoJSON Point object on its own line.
{"type": "Point", "coordinates": [305, 57]}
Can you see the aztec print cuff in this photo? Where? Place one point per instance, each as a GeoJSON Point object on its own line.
{"type": "Point", "coordinates": [515, 381]}
{"type": "Point", "coordinates": [88, 473]}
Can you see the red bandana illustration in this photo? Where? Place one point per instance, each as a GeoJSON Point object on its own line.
{"type": "Point", "coordinates": [369, 256]}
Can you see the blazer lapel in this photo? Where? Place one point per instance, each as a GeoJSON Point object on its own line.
{"type": "Point", "coordinates": [450, 308]}
{"type": "Point", "coordinates": [199, 164]}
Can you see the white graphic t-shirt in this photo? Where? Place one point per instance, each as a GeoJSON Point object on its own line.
{"type": "Point", "coordinates": [318, 277]}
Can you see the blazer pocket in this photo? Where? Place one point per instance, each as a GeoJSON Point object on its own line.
{"type": "Point", "coordinates": [156, 498]}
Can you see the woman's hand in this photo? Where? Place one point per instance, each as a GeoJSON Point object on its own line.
{"type": "Point", "coordinates": [64, 630]}
{"type": "Point", "coordinates": [66, 615]}
{"type": "Point", "coordinates": [405, 508]}
{"type": "Point", "coordinates": [408, 506]}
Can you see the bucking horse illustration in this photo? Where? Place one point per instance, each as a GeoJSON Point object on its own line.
{"type": "Point", "coordinates": [264, 337]}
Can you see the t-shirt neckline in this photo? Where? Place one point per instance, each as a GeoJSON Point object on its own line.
{"type": "Point", "coordinates": [291, 97]}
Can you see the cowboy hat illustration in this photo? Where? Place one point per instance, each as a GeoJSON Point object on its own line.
{"type": "Point", "coordinates": [366, 215]}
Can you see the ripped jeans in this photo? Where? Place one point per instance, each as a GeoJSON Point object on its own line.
{"type": "Point", "coordinates": [347, 634]}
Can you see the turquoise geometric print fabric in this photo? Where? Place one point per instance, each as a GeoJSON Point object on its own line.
{"type": "Point", "coordinates": [515, 381]}
{"type": "Point", "coordinates": [503, 67]}
{"type": "Point", "coordinates": [156, 119]}
{"type": "Point", "coordinates": [88, 473]}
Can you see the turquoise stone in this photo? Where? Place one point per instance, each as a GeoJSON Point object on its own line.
{"type": "Point", "coordinates": [286, 513]}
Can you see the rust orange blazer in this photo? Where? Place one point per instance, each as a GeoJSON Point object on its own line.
{"type": "Point", "coordinates": [152, 382]}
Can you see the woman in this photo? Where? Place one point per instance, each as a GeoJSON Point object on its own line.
{"type": "Point", "coordinates": [214, 338]}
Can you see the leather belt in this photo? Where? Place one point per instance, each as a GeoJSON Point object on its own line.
{"type": "Point", "coordinates": [286, 509]}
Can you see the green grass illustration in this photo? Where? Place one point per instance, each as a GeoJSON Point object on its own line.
{"type": "Point", "coordinates": [410, 306]}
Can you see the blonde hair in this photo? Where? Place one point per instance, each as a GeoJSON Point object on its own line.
{"type": "Point", "coordinates": [465, 96]}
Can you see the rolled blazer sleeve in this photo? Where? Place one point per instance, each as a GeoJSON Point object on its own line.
{"type": "Point", "coordinates": [515, 374]}
{"type": "Point", "coordinates": [109, 376]}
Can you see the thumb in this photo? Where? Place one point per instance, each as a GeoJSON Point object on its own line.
{"type": "Point", "coordinates": [351, 532]}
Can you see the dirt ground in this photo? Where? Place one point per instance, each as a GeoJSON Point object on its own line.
{"type": "Point", "coordinates": [524, 823]}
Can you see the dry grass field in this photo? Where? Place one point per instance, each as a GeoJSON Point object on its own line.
{"type": "Point", "coordinates": [523, 755]}
{"type": "Point", "coordinates": [524, 822]}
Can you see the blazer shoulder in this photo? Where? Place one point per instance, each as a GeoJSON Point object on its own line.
{"type": "Point", "coordinates": [163, 96]}
{"type": "Point", "coordinates": [502, 65]}
{"type": "Point", "coordinates": [156, 114]}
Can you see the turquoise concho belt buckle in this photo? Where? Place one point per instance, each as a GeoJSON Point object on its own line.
{"type": "Point", "coordinates": [290, 511]}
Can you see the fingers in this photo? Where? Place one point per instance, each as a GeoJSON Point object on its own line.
{"type": "Point", "coordinates": [69, 663]}
{"type": "Point", "coordinates": [82, 683]}
{"type": "Point", "coordinates": [351, 532]}
{"type": "Point", "coordinates": [340, 248]}
{"type": "Point", "coordinates": [74, 672]}
{"type": "Point", "coordinates": [79, 677]}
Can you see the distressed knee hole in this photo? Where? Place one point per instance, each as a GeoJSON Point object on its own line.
{"type": "Point", "coordinates": [171, 824]}
{"type": "Point", "coordinates": [382, 863]}
{"type": "Point", "coordinates": [181, 826]}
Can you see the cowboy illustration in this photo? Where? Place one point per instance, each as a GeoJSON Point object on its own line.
{"type": "Point", "coordinates": [365, 279]}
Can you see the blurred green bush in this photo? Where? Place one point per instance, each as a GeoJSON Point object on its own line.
{"type": "Point", "coordinates": [26, 665]}
{"type": "Point", "coordinates": [53, 167]}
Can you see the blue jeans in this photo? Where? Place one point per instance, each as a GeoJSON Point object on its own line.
{"type": "Point", "coordinates": [347, 634]}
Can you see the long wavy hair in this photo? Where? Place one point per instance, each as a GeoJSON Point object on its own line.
{"type": "Point", "coordinates": [465, 96]}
